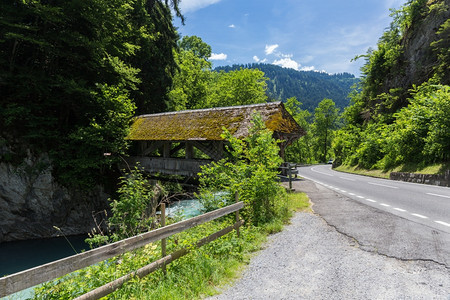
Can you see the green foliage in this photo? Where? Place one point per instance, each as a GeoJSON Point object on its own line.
{"type": "Point", "coordinates": [326, 120]}
{"type": "Point", "coordinates": [238, 87]}
{"type": "Point", "coordinates": [154, 37]}
{"type": "Point", "coordinates": [190, 85]}
{"type": "Point", "coordinates": [196, 86]}
{"type": "Point", "coordinates": [301, 150]}
{"type": "Point", "coordinates": [133, 212]}
{"type": "Point", "coordinates": [189, 277]}
{"type": "Point", "coordinates": [392, 122]}
{"type": "Point", "coordinates": [72, 73]}
{"type": "Point", "coordinates": [389, 74]}
{"type": "Point", "coordinates": [81, 155]}
{"type": "Point", "coordinates": [369, 151]}
{"type": "Point", "coordinates": [192, 276]}
{"type": "Point", "coordinates": [420, 133]}
{"type": "Point", "coordinates": [344, 145]}
{"type": "Point", "coordinates": [442, 48]}
{"type": "Point", "coordinates": [195, 45]}
{"type": "Point", "coordinates": [409, 14]}
{"type": "Point", "coordinates": [251, 171]}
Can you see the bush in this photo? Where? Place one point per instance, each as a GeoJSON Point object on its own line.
{"type": "Point", "coordinates": [251, 171]}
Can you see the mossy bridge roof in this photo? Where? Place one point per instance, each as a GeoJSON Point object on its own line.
{"type": "Point", "coordinates": [208, 124]}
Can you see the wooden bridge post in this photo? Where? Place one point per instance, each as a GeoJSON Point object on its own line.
{"type": "Point", "coordinates": [189, 150]}
{"type": "Point", "coordinates": [290, 178]}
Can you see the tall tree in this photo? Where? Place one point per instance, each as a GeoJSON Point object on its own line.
{"type": "Point", "coordinates": [196, 86]}
{"type": "Point", "coordinates": [154, 37]}
{"type": "Point", "coordinates": [190, 84]}
{"type": "Point", "coordinates": [68, 71]}
{"type": "Point", "coordinates": [301, 151]}
{"type": "Point", "coordinates": [326, 117]}
{"type": "Point", "coordinates": [197, 46]}
{"type": "Point", "coordinates": [240, 87]}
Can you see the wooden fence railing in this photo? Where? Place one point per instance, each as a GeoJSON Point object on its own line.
{"type": "Point", "coordinates": [22, 280]}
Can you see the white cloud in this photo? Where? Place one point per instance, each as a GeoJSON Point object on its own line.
{"type": "Point", "coordinates": [287, 63]}
{"type": "Point", "coordinates": [220, 56]}
{"type": "Point", "coordinates": [286, 55]}
{"type": "Point", "coordinates": [232, 26]}
{"type": "Point", "coordinates": [270, 48]}
{"type": "Point", "coordinates": [258, 60]}
{"type": "Point", "coordinates": [308, 68]}
{"type": "Point", "coordinates": [193, 5]}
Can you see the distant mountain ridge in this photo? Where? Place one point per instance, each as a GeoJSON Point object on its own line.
{"type": "Point", "coordinates": [310, 87]}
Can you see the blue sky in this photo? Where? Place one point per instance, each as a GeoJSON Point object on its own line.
{"type": "Point", "coordinates": [321, 35]}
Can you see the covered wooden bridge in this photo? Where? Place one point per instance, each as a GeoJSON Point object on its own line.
{"type": "Point", "coordinates": [178, 143]}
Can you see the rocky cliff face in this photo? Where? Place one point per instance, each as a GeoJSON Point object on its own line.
{"type": "Point", "coordinates": [418, 57]}
{"type": "Point", "coordinates": [32, 202]}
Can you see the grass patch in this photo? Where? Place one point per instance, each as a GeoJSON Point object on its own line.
{"type": "Point", "coordinates": [273, 226]}
{"type": "Point", "coordinates": [421, 169]}
{"type": "Point", "coordinates": [409, 168]}
{"type": "Point", "coordinates": [361, 171]}
{"type": "Point", "coordinates": [299, 202]}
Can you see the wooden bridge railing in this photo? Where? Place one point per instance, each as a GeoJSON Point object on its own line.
{"type": "Point", "coordinates": [169, 166]}
{"type": "Point", "coordinates": [22, 280]}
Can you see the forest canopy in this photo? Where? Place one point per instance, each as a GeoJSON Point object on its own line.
{"type": "Point", "coordinates": [310, 87]}
{"type": "Point", "coordinates": [73, 73]}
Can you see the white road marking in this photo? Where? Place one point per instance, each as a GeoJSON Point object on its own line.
{"type": "Point", "coordinates": [343, 191]}
{"type": "Point", "coordinates": [370, 200]}
{"type": "Point", "coordinates": [443, 223]}
{"type": "Point", "coordinates": [361, 197]}
{"type": "Point", "coordinates": [384, 204]}
{"type": "Point", "coordinates": [420, 216]}
{"type": "Point", "coordinates": [312, 169]}
{"type": "Point", "coordinates": [351, 194]}
{"type": "Point", "coordinates": [348, 179]}
{"type": "Point", "coordinates": [399, 209]}
{"type": "Point", "coordinates": [437, 195]}
{"type": "Point", "coordinates": [388, 186]}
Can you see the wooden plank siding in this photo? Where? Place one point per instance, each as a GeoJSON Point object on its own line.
{"type": "Point", "coordinates": [168, 166]}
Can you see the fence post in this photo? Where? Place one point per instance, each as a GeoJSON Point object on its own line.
{"type": "Point", "coordinates": [163, 241]}
{"type": "Point", "coordinates": [289, 176]}
{"type": "Point", "coordinates": [236, 198]}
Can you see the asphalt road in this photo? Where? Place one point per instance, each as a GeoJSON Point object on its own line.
{"type": "Point", "coordinates": [423, 204]}
{"type": "Point", "coordinates": [347, 250]}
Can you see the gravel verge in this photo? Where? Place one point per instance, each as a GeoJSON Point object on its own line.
{"type": "Point", "coordinates": [311, 260]}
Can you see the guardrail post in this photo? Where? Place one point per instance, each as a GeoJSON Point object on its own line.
{"type": "Point", "coordinates": [236, 198]}
{"type": "Point", "coordinates": [290, 178]}
{"type": "Point", "coordinates": [163, 241]}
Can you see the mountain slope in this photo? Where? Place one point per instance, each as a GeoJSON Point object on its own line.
{"type": "Point", "coordinates": [309, 87]}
